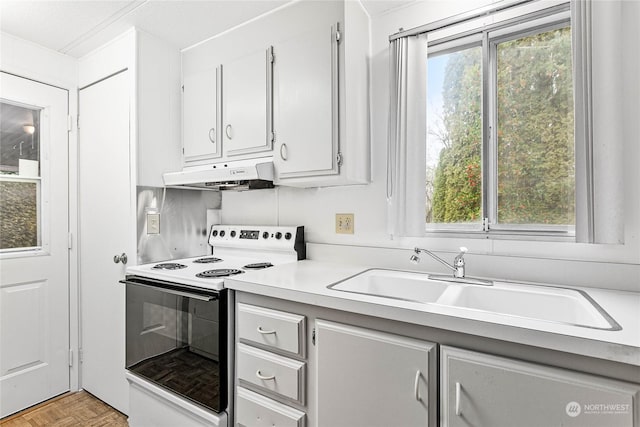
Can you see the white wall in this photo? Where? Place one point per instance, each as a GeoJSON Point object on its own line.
{"type": "Point", "coordinates": [607, 266]}
{"type": "Point", "coordinates": [34, 62]}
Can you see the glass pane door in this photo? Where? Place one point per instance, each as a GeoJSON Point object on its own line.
{"type": "Point", "coordinates": [20, 180]}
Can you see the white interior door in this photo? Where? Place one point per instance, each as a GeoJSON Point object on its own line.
{"type": "Point", "coordinates": [106, 230]}
{"type": "Point", "coordinates": [34, 257]}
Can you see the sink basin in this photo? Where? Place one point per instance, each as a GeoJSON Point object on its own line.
{"type": "Point", "coordinates": [561, 305]}
{"type": "Point", "coordinates": [541, 303]}
{"type": "Point", "coordinates": [393, 284]}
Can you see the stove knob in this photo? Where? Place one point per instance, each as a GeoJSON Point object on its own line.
{"type": "Point", "coordinates": [222, 233]}
{"type": "Point", "coordinates": [287, 236]}
{"type": "Point", "coordinates": [278, 235]}
{"type": "Point", "coordinates": [265, 235]}
{"type": "Point", "coordinates": [233, 233]}
{"type": "Point", "coordinates": [214, 233]}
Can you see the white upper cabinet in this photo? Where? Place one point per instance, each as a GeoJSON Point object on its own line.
{"type": "Point", "coordinates": [309, 108]}
{"type": "Point", "coordinates": [157, 115]}
{"type": "Point", "coordinates": [247, 100]}
{"type": "Point", "coordinates": [201, 135]}
{"type": "Point", "coordinates": [306, 104]}
{"type": "Point", "coordinates": [321, 102]}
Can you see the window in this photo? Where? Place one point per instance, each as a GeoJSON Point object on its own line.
{"type": "Point", "coordinates": [500, 127]}
{"type": "Point", "coordinates": [20, 182]}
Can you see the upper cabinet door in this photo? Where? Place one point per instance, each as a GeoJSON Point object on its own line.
{"type": "Point", "coordinates": [247, 99]}
{"type": "Point", "coordinates": [306, 104]}
{"type": "Point", "coordinates": [200, 110]}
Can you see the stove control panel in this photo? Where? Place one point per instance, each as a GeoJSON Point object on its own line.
{"type": "Point", "coordinates": [277, 238]}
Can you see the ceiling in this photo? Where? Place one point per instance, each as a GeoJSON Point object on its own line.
{"type": "Point", "coordinates": [77, 27]}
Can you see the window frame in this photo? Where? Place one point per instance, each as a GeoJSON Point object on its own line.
{"type": "Point", "coordinates": [490, 36]}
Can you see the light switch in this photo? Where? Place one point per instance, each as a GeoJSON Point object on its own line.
{"type": "Point", "coordinates": [153, 223]}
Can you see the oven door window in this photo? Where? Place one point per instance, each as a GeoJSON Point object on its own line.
{"type": "Point", "coordinates": [178, 342]}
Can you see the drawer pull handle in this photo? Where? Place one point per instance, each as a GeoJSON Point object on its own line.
{"type": "Point", "coordinates": [416, 386]}
{"type": "Point", "coordinates": [458, 390]}
{"type": "Point", "coordinates": [265, 332]}
{"type": "Point", "coordinates": [264, 377]}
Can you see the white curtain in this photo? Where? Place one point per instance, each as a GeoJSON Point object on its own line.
{"type": "Point", "coordinates": [599, 125]}
{"type": "Point", "coordinates": [406, 173]}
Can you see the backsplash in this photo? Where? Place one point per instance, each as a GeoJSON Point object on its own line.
{"type": "Point", "coordinates": [182, 222]}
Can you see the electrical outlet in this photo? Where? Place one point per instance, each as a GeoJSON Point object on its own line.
{"type": "Point", "coordinates": [153, 223]}
{"type": "Point", "coordinates": [344, 223]}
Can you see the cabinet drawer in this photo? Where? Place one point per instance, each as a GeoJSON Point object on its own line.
{"type": "Point", "coordinates": [253, 409]}
{"type": "Point", "coordinates": [278, 374]}
{"type": "Point", "coordinates": [272, 328]}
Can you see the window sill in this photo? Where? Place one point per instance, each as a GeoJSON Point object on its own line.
{"type": "Point", "coordinates": [549, 236]}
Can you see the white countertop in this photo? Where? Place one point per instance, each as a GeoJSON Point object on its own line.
{"type": "Point", "coordinates": [306, 282]}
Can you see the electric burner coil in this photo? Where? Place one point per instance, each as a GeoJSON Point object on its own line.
{"type": "Point", "coordinates": [221, 272]}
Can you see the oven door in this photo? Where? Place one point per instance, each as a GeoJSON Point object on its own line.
{"type": "Point", "coordinates": [176, 337]}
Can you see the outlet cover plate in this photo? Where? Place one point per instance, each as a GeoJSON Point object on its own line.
{"type": "Point", "coordinates": [153, 223]}
{"type": "Point", "coordinates": [344, 223]}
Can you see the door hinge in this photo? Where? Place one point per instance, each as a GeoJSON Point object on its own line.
{"type": "Point", "coordinates": [70, 246]}
{"type": "Point", "coordinates": [69, 123]}
{"type": "Point", "coordinates": [338, 33]}
{"type": "Point", "coordinates": [80, 355]}
{"type": "Point", "coordinates": [78, 121]}
{"type": "Point", "coordinates": [273, 137]}
{"type": "Point", "coordinates": [272, 56]}
{"type": "Point", "coordinates": [70, 357]}
{"type": "Point", "coordinates": [313, 336]}
{"type": "Point", "coordinates": [485, 224]}
{"type": "Point", "coordinates": [339, 158]}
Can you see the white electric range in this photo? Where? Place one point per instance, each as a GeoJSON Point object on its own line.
{"type": "Point", "coordinates": [179, 325]}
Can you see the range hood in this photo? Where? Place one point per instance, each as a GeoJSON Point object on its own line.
{"type": "Point", "coordinates": [236, 175]}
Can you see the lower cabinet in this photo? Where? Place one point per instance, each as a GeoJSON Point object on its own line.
{"type": "Point", "coordinates": [483, 390]}
{"type": "Point", "coordinates": [369, 378]}
{"type": "Point", "coordinates": [308, 366]}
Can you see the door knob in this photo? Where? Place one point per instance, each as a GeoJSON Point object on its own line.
{"type": "Point", "coordinates": [122, 258]}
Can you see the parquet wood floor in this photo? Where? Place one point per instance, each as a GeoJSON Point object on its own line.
{"type": "Point", "coordinates": [69, 410]}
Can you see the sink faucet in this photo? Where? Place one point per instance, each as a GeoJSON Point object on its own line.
{"type": "Point", "coordinates": [457, 267]}
{"type": "Point", "coordinates": [458, 261]}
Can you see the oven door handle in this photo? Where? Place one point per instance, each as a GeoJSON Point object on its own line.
{"type": "Point", "coordinates": [171, 291]}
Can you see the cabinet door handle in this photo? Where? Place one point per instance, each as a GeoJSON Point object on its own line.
{"type": "Point", "coordinates": [265, 332]}
{"type": "Point", "coordinates": [212, 135]}
{"type": "Point", "coordinates": [458, 392]}
{"type": "Point", "coordinates": [416, 386]}
{"type": "Point", "coordinates": [283, 152]}
{"type": "Point", "coordinates": [229, 131]}
{"type": "Point", "coordinates": [264, 377]}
